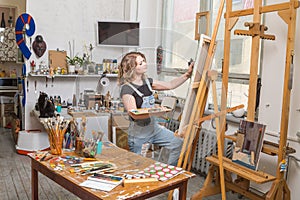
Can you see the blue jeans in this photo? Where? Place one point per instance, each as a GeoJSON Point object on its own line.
{"type": "Point", "coordinates": [155, 134]}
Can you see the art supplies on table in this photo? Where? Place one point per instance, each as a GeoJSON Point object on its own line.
{"type": "Point", "coordinates": [102, 182]}
{"type": "Point", "coordinates": [71, 135]}
{"type": "Point", "coordinates": [43, 155]}
{"type": "Point", "coordinates": [69, 140]}
{"type": "Point", "coordinates": [138, 178]}
{"type": "Point", "coordinates": [139, 181]}
{"type": "Point", "coordinates": [106, 178]}
{"type": "Point", "coordinates": [89, 147]}
{"type": "Point", "coordinates": [56, 128]}
{"type": "Point", "coordinates": [93, 167]}
{"type": "Point", "coordinates": [161, 171]}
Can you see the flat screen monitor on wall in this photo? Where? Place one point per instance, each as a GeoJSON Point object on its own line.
{"type": "Point", "coordinates": [121, 34]}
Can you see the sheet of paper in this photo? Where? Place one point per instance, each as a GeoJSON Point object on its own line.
{"type": "Point", "coordinates": [98, 185]}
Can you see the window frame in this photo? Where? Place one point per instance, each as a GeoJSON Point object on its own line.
{"type": "Point", "coordinates": [236, 78]}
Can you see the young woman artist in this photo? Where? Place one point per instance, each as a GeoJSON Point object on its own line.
{"type": "Point", "coordinates": [137, 92]}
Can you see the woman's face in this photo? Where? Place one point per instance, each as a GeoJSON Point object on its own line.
{"type": "Point", "coordinates": [141, 66]}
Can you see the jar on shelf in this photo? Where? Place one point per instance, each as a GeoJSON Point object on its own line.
{"type": "Point", "coordinates": [99, 69]}
{"type": "Point", "coordinates": [91, 68]}
{"type": "Point", "coordinates": [115, 66]}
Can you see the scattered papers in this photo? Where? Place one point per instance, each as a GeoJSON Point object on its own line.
{"type": "Point", "coordinates": [102, 182]}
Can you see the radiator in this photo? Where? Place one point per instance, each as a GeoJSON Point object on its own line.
{"type": "Point", "coordinates": [207, 146]}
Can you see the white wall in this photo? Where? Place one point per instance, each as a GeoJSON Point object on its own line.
{"type": "Point", "coordinates": [61, 22]}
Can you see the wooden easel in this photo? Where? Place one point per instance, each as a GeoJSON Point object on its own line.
{"type": "Point", "coordinates": [200, 89]}
{"type": "Point", "coordinates": [279, 188]}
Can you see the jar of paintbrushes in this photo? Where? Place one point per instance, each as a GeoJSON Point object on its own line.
{"type": "Point", "coordinates": [56, 128]}
{"type": "Point", "coordinates": [87, 147]}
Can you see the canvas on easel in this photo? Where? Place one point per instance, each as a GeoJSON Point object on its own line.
{"type": "Point", "coordinates": [249, 144]}
{"type": "Point", "coordinates": [197, 75]}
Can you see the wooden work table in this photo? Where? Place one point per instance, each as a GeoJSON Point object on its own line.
{"type": "Point", "coordinates": [124, 160]}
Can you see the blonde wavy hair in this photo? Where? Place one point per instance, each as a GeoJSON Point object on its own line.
{"type": "Point", "coordinates": [127, 67]}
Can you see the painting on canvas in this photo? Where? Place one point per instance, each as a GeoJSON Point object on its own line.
{"type": "Point", "coordinates": [249, 144]}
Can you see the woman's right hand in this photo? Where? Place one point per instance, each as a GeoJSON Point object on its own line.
{"type": "Point", "coordinates": [190, 70]}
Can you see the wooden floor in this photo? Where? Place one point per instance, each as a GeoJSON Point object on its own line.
{"type": "Point", "coordinates": [15, 177]}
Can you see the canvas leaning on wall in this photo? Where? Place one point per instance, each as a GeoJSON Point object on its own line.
{"type": "Point", "coordinates": [249, 144]}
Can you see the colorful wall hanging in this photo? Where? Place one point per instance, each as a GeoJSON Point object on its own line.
{"type": "Point", "coordinates": [22, 20]}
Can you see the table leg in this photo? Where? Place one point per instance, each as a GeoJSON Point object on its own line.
{"type": "Point", "coordinates": [183, 191]}
{"type": "Point", "coordinates": [34, 183]}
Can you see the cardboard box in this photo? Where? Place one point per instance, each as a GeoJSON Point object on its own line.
{"type": "Point", "coordinates": [90, 100]}
{"type": "Point", "coordinates": [57, 59]}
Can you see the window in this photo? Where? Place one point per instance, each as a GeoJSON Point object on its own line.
{"type": "Point", "coordinates": [240, 52]}
{"type": "Point", "coordinates": [179, 46]}
{"type": "Point", "coordinates": [178, 41]}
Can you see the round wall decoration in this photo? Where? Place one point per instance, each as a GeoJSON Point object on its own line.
{"type": "Point", "coordinates": [24, 20]}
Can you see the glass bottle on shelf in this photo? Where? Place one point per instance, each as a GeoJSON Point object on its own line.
{"type": "Point", "coordinates": [2, 25]}
{"type": "Point", "coordinates": [74, 101]}
{"type": "Point", "coordinates": [99, 69]}
{"type": "Point", "coordinates": [104, 64]}
{"type": "Point", "coordinates": [51, 99]}
{"type": "Point", "coordinates": [59, 99]}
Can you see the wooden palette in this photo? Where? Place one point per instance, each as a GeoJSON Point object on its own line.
{"type": "Point", "coordinates": [143, 113]}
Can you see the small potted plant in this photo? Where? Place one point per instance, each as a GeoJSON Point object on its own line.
{"type": "Point", "coordinates": [74, 63]}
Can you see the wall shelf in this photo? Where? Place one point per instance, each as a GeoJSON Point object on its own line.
{"type": "Point", "coordinates": [74, 75]}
